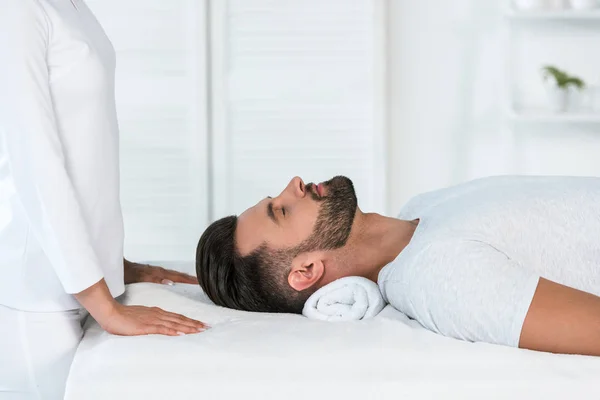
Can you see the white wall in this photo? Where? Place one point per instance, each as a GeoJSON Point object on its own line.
{"type": "Point", "coordinates": [447, 95]}
{"type": "Point", "coordinates": [161, 95]}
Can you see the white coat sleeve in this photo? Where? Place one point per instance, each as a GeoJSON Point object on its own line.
{"type": "Point", "coordinates": [28, 133]}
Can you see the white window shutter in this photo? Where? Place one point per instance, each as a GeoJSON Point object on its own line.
{"type": "Point", "coordinates": [297, 88]}
{"type": "Point", "coordinates": [161, 101]}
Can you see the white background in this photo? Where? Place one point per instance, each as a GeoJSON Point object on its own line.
{"type": "Point", "coordinates": [220, 106]}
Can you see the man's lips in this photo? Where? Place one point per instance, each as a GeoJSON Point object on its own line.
{"type": "Point", "coordinates": [316, 188]}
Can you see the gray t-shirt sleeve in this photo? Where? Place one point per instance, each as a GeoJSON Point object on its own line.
{"type": "Point", "coordinates": [463, 289]}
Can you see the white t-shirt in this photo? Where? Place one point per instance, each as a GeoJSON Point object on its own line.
{"type": "Point", "coordinates": [471, 269]}
{"type": "Point", "coordinates": [61, 227]}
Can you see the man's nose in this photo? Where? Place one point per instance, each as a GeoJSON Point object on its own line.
{"type": "Point", "coordinates": [297, 187]}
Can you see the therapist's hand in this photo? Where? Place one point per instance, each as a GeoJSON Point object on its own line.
{"type": "Point", "coordinates": [124, 320]}
{"type": "Point", "coordinates": [140, 320]}
{"type": "Point", "coordinates": [134, 272]}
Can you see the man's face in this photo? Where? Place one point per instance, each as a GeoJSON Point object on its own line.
{"type": "Point", "coordinates": [306, 217]}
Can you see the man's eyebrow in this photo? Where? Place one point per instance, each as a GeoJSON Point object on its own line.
{"type": "Point", "coordinates": [270, 211]}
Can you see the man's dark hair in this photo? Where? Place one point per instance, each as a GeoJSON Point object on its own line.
{"type": "Point", "coordinates": [255, 282]}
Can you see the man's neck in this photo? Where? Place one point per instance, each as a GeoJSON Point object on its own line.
{"type": "Point", "coordinates": [374, 242]}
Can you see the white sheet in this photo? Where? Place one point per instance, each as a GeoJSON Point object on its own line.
{"type": "Point", "coordinates": [274, 356]}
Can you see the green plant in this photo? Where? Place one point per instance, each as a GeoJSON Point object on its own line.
{"type": "Point", "coordinates": [562, 79]}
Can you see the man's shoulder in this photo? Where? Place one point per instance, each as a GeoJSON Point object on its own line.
{"type": "Point", "coordinates": [419, 256]}
{"type": "Point", "coordinates": [446, 260]}
{"type": "Point", "coordinates": [447, 253]}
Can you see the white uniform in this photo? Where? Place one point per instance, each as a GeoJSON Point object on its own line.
{"type": "Point", "coordinates": [472, 267]}
{"type": "Point", "coordinates": [61, 226]}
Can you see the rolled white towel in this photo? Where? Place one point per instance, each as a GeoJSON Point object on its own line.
{"type": "Point", "coordinates": [347, 299]}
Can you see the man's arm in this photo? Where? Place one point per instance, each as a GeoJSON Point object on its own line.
{"type": "Point", "coordinates": [562, 320]}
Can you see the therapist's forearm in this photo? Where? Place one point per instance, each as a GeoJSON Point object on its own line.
{"type": "Point", "coordinates": [127, 270]}
{"type": "Point", "coordinates": [130, 272]}
{"type": "Point", "coordinates": [98, 301]}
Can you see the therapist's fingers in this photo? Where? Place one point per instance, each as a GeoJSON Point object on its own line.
{"type": "Point", "coordinates": [191, 323]}
{"type": "Point", "coordinates": [179, 327]}
{"type": "Point", "coordinates": [160, 330]}
{"type": "Point", "coordinates": [180, 277]}
{"type": "Point", "coordinates": [183, 319]}
{"type": "Point", "coordinates": [155, 274]}
{"type": "Point", "coordinates": [168, 277]}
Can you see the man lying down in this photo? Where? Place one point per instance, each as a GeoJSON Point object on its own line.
{"type": "Point", "coordinates": [511, 260]}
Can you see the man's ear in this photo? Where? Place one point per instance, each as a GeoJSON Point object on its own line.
{"type": "Point", "coordinates": [307, 270]}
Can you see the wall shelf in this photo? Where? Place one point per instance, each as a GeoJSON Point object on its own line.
{"type": "Point", "coordinates": [533, 115]}
{"type": "Point", "coordinates": [566, 15]}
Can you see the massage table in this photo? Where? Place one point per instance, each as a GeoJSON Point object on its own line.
{"type": "Point", "coordinates": [281, 356]}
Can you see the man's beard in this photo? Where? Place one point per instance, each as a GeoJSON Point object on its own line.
{"type": "Point", "coordinates": [335, 218]}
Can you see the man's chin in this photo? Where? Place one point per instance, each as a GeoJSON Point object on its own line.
{"type": "Point", "coordinates": [341, 188]}
{"type": "Point", "coordinates": [340, 181]}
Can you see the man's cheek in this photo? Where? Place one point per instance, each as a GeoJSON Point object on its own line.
{"type": "Point", "coordinates": [303, 230]}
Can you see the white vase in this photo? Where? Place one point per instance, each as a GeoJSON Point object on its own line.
{"type": "Point", "coordinates": [575, 98]}
{"type": "Point", "coordinates": [530, 5]}
{"type": "Point", "coordinates": [583, 4]}
{"type": "Point", "coordinates": [557, 98]}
